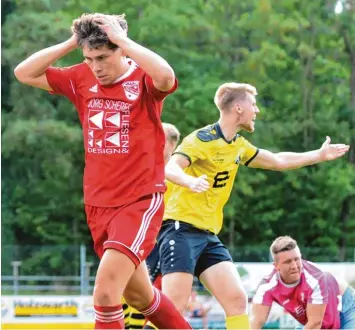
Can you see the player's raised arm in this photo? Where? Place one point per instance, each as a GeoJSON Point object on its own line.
{"type": "Point", "coordinates": [283, 161]}
{"type": "Point", "coordinates": [32, 70]}
{"type": "Point", "coordinates": [174, 172]}
{"type": "Point", "coordinates": [154, 65]}
{"type": "Point", "coordinates": [259, 315]}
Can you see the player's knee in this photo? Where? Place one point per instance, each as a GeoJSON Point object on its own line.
{"type": "Point", "coordinates": [180, 301]}
{"type": "Point", "coordinates": [236, 303]}
{"type": "Point", "coordinates": [103, 295]}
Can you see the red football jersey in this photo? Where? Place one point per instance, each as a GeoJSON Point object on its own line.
{"type": "Point", "coordinates": [123, 136]}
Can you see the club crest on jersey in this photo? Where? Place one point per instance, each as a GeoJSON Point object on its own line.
{"type": "Point", "coordinates": [131, 89]}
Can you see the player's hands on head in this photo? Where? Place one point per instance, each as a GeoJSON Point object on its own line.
{"type": "Point", "coordinates": [199, 184]}
{"type": "Point", "coordinates": [332, 151]}
{"type": "Point", "coordinates": [73, 40]}
{"type": "Point", "coordinates": [111, 27]}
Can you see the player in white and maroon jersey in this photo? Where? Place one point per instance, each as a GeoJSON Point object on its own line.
{"type": "Point", "coordinates": [119, 102]}
{"type": "Point", "coordinates": [313, 297]}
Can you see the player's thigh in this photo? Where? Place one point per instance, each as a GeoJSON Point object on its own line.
{"type": "Point", "coordinates": [177, 286]}
{"type": "Point", "coordinates": [180, 247]}
{"type": "Point", "coordinates": [139, 291]}
{"type": "Point", "coordinates": [217, 272]}
{"type": "Point", "coordinates": [224, 282]}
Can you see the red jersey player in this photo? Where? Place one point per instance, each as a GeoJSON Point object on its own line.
{"type": "Point", "coordinates": [119, 102]}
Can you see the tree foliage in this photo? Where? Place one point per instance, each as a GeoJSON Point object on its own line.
{"type": "Point", "coordinates": [299, 54]}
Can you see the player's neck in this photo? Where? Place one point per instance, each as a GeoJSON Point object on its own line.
{"type": "Point", "coordinates": [124, 67]}
{"type": "Point", "coordinates": [228, 129]}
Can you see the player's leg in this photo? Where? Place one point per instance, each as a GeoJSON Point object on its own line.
{"type": "Point", "coordinates": [126, 313]}
{"type": "Point", "coordinates": [107, 302]}
{"type": "Point", "coordinates": [153, 304]}
{"type": "Point", "coordinates": [347, 315]}
{"type": "Point", "coordinates": [137, 319]}
{"type": "Point", "coordinates": [221, 278]}
{"type": "Point", "coordinates": [109, 287]}
{"type": "Point", "coordinates": [146, 214]}
{"type": "Point", "coordinates": [180, 246]}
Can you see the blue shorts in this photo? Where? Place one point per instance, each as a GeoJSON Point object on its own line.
{"type": "Point", "coordinates": [347, 315]}
{"type": "Point", "coordinates": [153, 263]}
{"type": "Point", "coordinates": [184, 248]}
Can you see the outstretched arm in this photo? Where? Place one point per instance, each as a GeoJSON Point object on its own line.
{"type": "Point", "coordinates": [174, 172]}
{"type": "Point", "coordinates": [315, 314]}
{"type": "Point", "coordinates": [32, 70]}
{"type": "Point", "coordinates": [154, 65]}
{"type": "Point", "coordinates": [259, 315]}
{"type": "Point", "coordinates": [283, 161]}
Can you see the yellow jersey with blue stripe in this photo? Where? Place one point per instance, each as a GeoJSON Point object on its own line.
{"type": "Point", "coordinates": [208, 153]}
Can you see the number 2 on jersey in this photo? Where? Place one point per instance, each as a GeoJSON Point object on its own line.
{"type": "Point", "coordinates": [220, 179]}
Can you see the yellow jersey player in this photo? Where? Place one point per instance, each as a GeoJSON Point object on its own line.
{"type": "Point", "coordinates": [134, 319]}
{"type": "Point", "coordinates": [203, 170]}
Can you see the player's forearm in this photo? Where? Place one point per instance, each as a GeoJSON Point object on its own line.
{"type": "Point", "coordinates": [36, 64]}
{"type": "Point", "coordinates": [176, 174]}
{"type": "Point", "coordinates": [293, 160]}
{"type": "Point", "coordinates": [256, 324]}
{"type": "Point", "coordinates": [313, 325]}
{"type": "Point", "coordinates": [153, 64]}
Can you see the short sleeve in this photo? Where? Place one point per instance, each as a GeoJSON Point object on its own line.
{"type": "Point", "coordinates": [156, 93]}
{"type": "Point", "coordinates": [263, 296]}
{"type": "Point", "coordinates": [62, 81]}
{"type": "Point", "coordinates": [319, 292]}
{"type": "Point", "coordinates": [249, 152]}
{"type": "Point", "coordinates": [192, 148]}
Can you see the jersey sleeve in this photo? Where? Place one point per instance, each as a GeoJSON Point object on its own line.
{"type": "Point", "coordinates": [62, 81]}
{"type": "Point", "coordinates": [249, 153]}
{"type": "Point", "coordinates": [156, 93]}
{"type": "Point", "coordinates": [263, 295]}
{"type": "Point", "coordinates": [319, 292]}
{"type": "Point", "coordinates": [192, 148]}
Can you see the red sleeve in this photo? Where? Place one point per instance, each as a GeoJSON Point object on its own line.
{"type": "Point", "coordinates": [63, 81]}
{"type": "Point", "coordinates": [157, 94]}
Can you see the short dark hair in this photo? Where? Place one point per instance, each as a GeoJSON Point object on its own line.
{"type": "Point", "coordinates": [281, 244]}
{"type": "Point", "coordinates": [88, 31]}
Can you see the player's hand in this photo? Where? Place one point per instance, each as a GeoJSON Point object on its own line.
{"type": "Point", "coordinates": [199, 184]}
{"type": "Point", "coordinates": [332, 151]}
{"type": "Point", "coordinates": [111, 27]}
{"type": "Point", "coordinates": [73, 41]}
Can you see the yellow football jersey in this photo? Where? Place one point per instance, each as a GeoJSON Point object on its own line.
{"type": "Point", "coordinates": [211, 154]}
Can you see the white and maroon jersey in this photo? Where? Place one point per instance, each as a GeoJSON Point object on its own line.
{"type": "Point", "coordinates": [123, 136]}
{"type": "Point", "coordinates": [315, 287]}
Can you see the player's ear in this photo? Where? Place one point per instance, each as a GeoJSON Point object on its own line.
{"type": "Point", "coordinates": [238, 108]}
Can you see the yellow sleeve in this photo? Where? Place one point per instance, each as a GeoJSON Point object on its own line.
{"type": "Point", "coordinates": [192, 148]}
{"type": "Point", "coordinates": [249, 152]}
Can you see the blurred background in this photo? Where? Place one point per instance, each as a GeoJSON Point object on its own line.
{"type": "Point", "coordinates": [299, 54]}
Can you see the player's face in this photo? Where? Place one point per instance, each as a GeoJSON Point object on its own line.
{"type": "Point", "coordinates": [249, 112]}
{"type": "Point", "coordinates": [289, 265]}
{"type": "Point", "coordinates": [168, 150]}
{"type": "Point", "coordinates": [105, 63]}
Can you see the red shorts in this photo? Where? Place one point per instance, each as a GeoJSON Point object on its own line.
{"type": "Point", "coordinates": [131, 229]}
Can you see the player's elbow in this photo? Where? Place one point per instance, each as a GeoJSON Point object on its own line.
{"type": "Point", "coordinates": [165, 79]}
{"type": "Point", "coordinates": [279, 164]}
{"type": "Point", "coordinates": [21, 74]}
